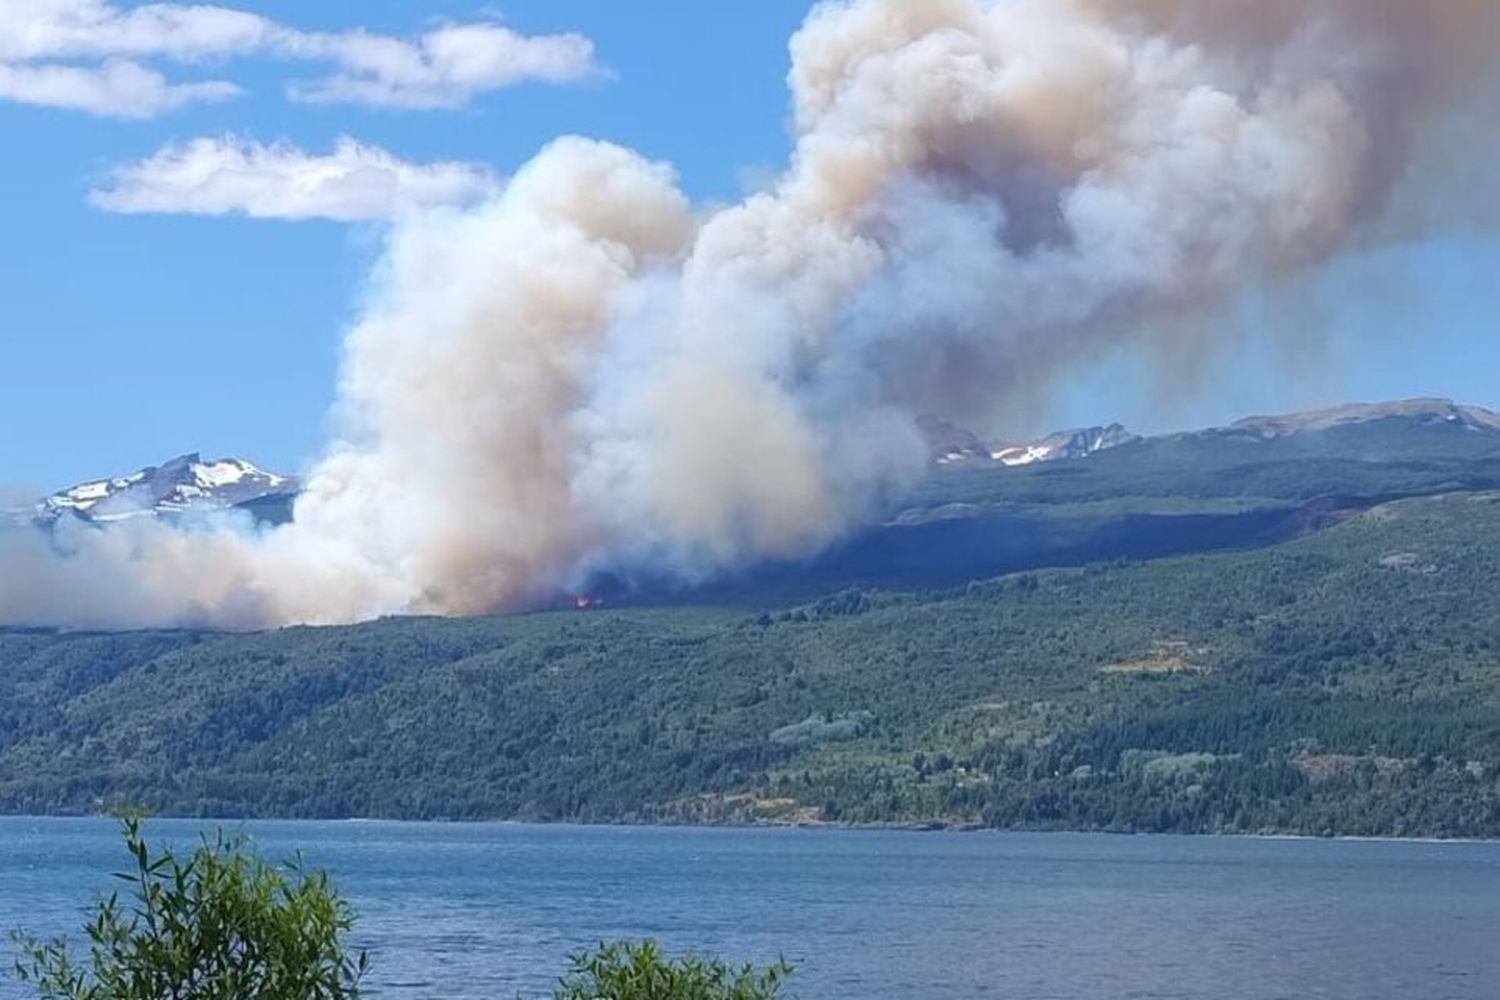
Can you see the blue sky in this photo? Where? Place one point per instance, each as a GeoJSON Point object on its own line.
{"type": "Point", "coordinates": [127, 337]}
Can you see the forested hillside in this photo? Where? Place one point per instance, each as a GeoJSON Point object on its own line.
{"type": "Point", "coordinates": [1347, 681]}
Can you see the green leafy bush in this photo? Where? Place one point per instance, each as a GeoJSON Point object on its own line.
{"type": "Point", "coordinates": [626, 971]}
{"type": "Point", "coordinates": [220, 925]}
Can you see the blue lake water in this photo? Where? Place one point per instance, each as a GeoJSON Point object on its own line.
{"type": "Point", "coordinates": [487, 911]}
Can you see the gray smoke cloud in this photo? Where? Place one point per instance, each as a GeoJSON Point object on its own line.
{"type": "Point", "coordinates": [584, 373]}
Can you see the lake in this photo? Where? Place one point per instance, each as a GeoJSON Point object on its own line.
{"type": "Point", "coordinates": [484, 911]}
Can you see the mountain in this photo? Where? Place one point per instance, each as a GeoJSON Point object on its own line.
{"type": "Point", "coordinates": [1069, 499]}
{"type": "Point", "coordinates": [1417, 411]}
{"type": "Point", "coordinates": [183, 484]}
{"type": "Point", "coordinates": [949, 444]}
{"type": "Point", "coordinates": [1063, 445]}
{"type": "Point", "coordinates": [1249, 484]}
{"type": "Point", "coordinates": [1365, 449]}
{"type": "Point", "coordinates": [1414, 429]}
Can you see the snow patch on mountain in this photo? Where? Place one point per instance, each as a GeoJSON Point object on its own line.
{"type": "Point", "coordinates": [1064, 445]}
{"type": "Point", "coordinates": [952, 445]}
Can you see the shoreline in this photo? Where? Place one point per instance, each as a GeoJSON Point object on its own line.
{"type": "Point", "coordinates": [934, 827]}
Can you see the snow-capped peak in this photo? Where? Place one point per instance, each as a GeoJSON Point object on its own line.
{"type": "Point", "coordinates": [184, 483]}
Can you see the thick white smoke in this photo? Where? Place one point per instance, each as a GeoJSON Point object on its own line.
{"type": "Point", "coordinates": [582, 374]}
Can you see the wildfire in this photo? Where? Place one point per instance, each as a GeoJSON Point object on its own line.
{"type": "Point", "coordinates": [584, 602]}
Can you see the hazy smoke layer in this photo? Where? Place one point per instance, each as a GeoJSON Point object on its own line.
{"type": "Point", "coordinates": [584, 374]}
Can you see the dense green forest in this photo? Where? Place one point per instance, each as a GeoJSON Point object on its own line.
{"type": "Point", "coordinates": [1346, 681]}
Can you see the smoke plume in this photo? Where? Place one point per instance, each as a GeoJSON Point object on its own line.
{"type": "Point", "coordinates": [585, 373]}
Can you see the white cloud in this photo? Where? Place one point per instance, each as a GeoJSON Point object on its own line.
{"type": "Point", "coordinates": [92, 29]}
{"type": "Point", "coordinates": [116, 88]}
{"type": "Point", "coordinates": [79, 47]}
{"type": "Point", "coordinates": [444, 68]}
{"type": "Point", "coordinates": [230, 176]}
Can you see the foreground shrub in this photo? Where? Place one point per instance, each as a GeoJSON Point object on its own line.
{"type": "Point", "coordinates": [220, 925]}
{"type": "Point", "coordinates": [625, 971]}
